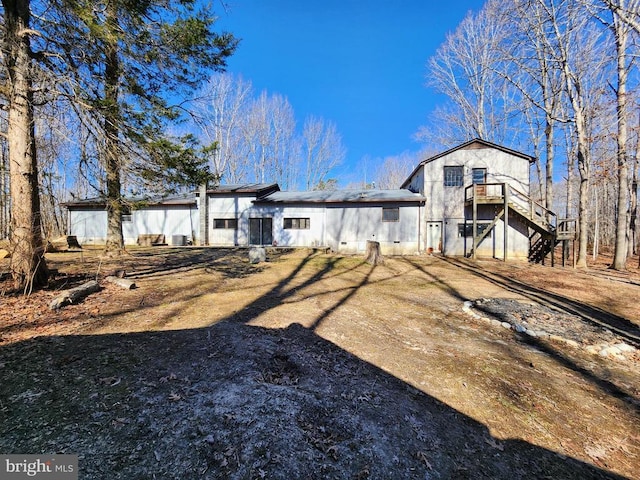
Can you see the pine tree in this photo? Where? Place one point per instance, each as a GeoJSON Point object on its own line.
{"type": "Point", "coordinates": [28, 267]}
{"type": "Point", "coordinates": [126, 67]}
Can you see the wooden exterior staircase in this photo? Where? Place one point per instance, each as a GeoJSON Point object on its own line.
{"type": "Point", "coordinates": [547, 231]}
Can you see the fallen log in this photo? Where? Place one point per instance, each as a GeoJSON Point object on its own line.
{"type": "Point", "coordinates": [72, 295]}
{"type": "Point", "coordinates": [121, 282]}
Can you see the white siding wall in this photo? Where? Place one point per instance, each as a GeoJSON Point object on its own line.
{"type": "Point", "coordinates": [447, 203]}
{"type": "Point", "coordinates": [349, 227]}
{"type": "Point", "coordinates": [312, 237]}
{"type": "Point", "coordinates": [89, 226]}
{"type": "Point", "coordinates": [167, 220]}
{"type": "Point", "coordinates": [343, 228]}
{"type": "Point", "coordinates": [229, 206]}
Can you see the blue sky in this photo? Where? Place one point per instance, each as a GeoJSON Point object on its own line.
{"type": "Point", "coordinates": [360, 64]}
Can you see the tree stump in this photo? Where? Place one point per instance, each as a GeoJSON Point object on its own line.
{"type": "Point", "coordinates": [373, 255]}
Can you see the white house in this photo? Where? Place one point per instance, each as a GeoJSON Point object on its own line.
{"type": "Point", "coordinates": [345, 219]}
{"type": "Point", "coordinates": [471, 200]}
{"type": "Point", "coordinates": [260, 214]}
{"type": "Point", "coordinates": [478, 202]}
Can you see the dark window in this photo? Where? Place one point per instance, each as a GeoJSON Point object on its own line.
{"type": "Point", "coordinates": [228, 223]}
{"type": "Point", "coordinates": [479, 175]}
{"type": "Point", "coordinates": [126, 217]}
{"type": "Point", "coordinates": [453, 176]}
{"type": "Point", "coordinates": [297, 223]}
{"type": "Point", "coordinates": [466, 229]}
{"type": "Point", "coordinates": [390, 214]}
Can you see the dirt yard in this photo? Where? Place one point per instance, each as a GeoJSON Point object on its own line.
{"type": "Point", "coordinates": [323, 366]}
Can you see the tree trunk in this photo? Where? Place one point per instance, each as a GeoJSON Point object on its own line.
{"type": "Point", "coordinates": [4, 192]}
{"type": "Point", "coordinates": [121, 282]}
{"type": "Point", "coordinates": [548, 133]}
{"type": "Point", "coordinates": [622, 221]}
{"type": "Point", "coordinates": [633, 217]}
{"type": "Point", "coordinates": [596, 227]}
{"type": "Point", "coordinates": [115, 240]}
{"type": "Point", "coordinates": [583, 201]}
{"type": "Point", "coordinates": [28, 267]}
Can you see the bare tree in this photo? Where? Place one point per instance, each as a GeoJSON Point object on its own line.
{"type": "Point", "coordinates": [5, 199]}
{"type": "Point", "coordinates": [613, 15]}
{"type": "Point", "coordinates": [322, 150]}
{"type": "Point", "coordinates": [256, 137]}
{"type": "Point", "coordinates": [627, 11]}
{"type": "Point", "coordinates": [463, 68]}
{"type": "Point", "coordinates": [392, 171]}
{"type": "Point", "coordinates": [220, 113]}
{"type": "Point", "coordinates": [284, 144]}
{"type": "Point", "coordinates": [572, 44]}
{"type": "Point", "coordinates": [530, 68]}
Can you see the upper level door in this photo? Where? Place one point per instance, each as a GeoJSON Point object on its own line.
{"type": "Point", "coordinates": [479, 178]}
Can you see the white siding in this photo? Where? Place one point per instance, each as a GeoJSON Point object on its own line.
{"type": "Point", "coordinates": [350, 226]}
{"type": "Point", "coordinates": [167, 220]}
{"type": "Point", "coordinates": [312, 237]}
{"type": "Point", "coordinates": [446, 204]}
{"type": "Point", "coordinates": [89, 226]}
{"type": "Point", "coordinates": [229, 206]}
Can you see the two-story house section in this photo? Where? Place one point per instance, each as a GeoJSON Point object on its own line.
{"type": "Point", "coordinates": [470, 192]}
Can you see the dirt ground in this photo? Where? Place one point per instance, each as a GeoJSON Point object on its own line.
{"type": "Point", "coordinates": [322, 366]}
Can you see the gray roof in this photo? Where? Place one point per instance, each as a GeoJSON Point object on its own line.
{"type": "Point", "coordinates": [101, 202]}
{"type": "Point", "coordinates": [257, 188]}
{"type": "Point", "coordinates": [343, 196]}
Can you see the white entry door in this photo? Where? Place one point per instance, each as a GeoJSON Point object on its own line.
{"type": "Point", "coordinates": [434, 236]}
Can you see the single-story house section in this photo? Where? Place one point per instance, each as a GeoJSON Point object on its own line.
{"type": "Point", "coordinates": [260, 214]}
{"type": "Point", "coordinates": [174, 217]}
{"type": "Point", "coordinates": [344, 219]}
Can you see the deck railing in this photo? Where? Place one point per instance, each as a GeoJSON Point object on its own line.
{"type": "Point", "coordinates": [517, 200]}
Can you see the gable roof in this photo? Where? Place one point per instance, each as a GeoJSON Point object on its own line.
{"type": "Point", "coordinates": [343, 196]}
{"type": "Point", "coordinates": [476, 143]}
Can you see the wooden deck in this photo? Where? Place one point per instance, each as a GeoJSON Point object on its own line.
{"type": "Point", "coordinates": [548, 229]}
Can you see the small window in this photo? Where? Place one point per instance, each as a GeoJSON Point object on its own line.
{"type": "Point", "coordinates": [227, 223]}
{"type": "Point", "coordinates": [453, 176]}
{"type": "Point", "coordinates": [466, 229]}
{"type": "Point", "coordinates": [297, 223]}
{"type": "Point", "coordinates": [391, 214]}
{"type": "Point", "coordinates": [479, 175]}
{"type": "Point", "coordinates": [126, 217]}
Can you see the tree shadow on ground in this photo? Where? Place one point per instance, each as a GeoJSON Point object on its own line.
{"type": "Point", "coordinates": [236, 401]}
{"type": "Point", "coordinates": [589, 314]}
{"type": "Point", "coordinates": [157, 262]}
{"type": "Point", "coordinates": [239, 401]}
{"type": "Point", "coordinates": [593, 315]}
